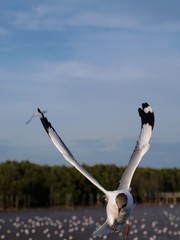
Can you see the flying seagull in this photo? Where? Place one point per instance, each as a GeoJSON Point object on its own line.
{"type": "Point", "coordinates": [119, 202]}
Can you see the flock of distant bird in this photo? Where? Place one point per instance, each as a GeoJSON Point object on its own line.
{"type": "Point", "coordinates": [163, 224]}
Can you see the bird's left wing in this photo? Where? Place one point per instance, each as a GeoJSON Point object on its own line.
{"type": "Point", "coordinates": [60, 145]}
{"type": "Point", "coordinates": [147, 123]}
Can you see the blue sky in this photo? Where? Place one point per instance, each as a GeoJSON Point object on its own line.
{"type": "Point", "coordinates": [90, 64]}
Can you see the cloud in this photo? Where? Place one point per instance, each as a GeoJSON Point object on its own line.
{"type": "Point", "coordinates": [58, 16]}
{"type": "Point", "coordinates": [158, 70]}
{"type": "Point", "coordinates": [80, 71]}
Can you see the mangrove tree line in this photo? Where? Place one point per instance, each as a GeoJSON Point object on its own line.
{"type": "Point", "coordinates": [25, 184]}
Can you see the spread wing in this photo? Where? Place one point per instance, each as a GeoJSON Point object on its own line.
{"type": "Point", "coordinates": [142, 146]}
{"type": "Point", "coordinates": [60, 145]}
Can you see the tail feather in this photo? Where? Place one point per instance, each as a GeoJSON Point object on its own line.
{"type": "Point", "coordinates": [103, 230]}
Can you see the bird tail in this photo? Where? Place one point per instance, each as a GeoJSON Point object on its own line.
{"type": "Point", "coordinates": [103, 230]}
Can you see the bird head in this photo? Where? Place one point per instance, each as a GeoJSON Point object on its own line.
{"type": "Point", "coordinates": [121, 201]}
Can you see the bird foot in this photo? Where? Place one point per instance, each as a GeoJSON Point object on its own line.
{"type": "Point", "coordinates": [117, 230]}
{"type": "Point", "coordinates": [114, 229]}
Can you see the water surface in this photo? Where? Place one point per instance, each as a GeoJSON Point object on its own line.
{"type": "Point", "coordinates": [154, 222]}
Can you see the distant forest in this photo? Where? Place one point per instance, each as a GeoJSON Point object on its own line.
{"type": "Point", "coordinates": [28, 185]}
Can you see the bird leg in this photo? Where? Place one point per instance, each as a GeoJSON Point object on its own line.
{"type": "Point", "coordinates": [127, 231]}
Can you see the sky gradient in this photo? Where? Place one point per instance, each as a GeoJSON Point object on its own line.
{"type": "Point", "coordinates": [90, 64]}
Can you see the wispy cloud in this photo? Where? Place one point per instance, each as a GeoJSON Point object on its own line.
{"type": "Point", "coordinates": [79, 71]}
{"type": "Point", "coordinates": [62, 15]}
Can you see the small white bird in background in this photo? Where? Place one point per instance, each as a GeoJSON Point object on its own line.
{"type": "Point", "coordinates": [34, 115]}
{"type": "Point", "coordinates": [119, 202]}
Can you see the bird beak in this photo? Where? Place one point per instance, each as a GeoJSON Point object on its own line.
{"type": "Point", "coordinates": [119, 210]}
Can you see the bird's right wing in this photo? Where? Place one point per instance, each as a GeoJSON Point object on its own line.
{"type": "Point", "coordinates": [60, 145]}
{"type": "Point", "coordinates": [142, 146]}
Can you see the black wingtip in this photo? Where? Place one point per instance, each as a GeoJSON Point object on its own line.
{"type": "Point", "coordinates": [145, 105]}
{"type": "Point", "coordinates": [147, 115]}
{"type": "Point", "coordinates": [46, 124]}
{"type": "Point", "coordinates": [41, 114]}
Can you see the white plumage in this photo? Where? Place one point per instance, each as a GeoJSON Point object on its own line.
{"type": "Point", "coordinates": [119, 202]}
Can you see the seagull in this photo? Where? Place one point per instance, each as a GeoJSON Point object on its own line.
{"type": "Point", "coordinates": [119, 202]}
